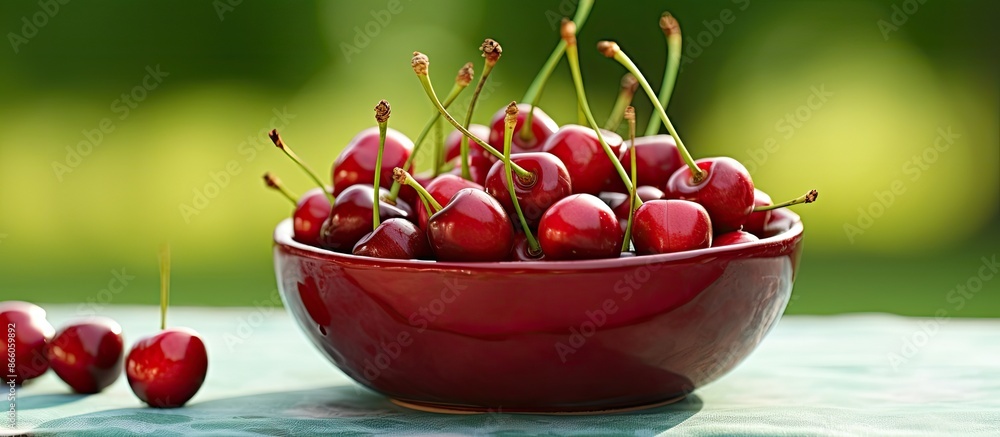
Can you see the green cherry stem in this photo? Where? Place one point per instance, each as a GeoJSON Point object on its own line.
{"type": "Point", "coordinates": [274, 183]}
{"type": "Point", "coordinates": [439, 139]}
{"type": "Point", "coordinates": [672, 31]}
{"type": "Point", "coordinates": [611, 50]}
{"type": "Point", "coordinates": [534, 92]}
{"type": "Point", "coordinates": [164, 284]}
{"type": "Point", "coordinates": [625, 94]}
{"type": "Point", "coordinates": [809, 197]}
{"type": "Point", "coordinates": [279, 143]}
{"type": "Point", "coordinates": [630, 116]}
{"type": "Point", "coordinates": [421, 66]}
{"type": "Point", "coordinates": [491, 51]}
{"type": "Point", "coordinates": [462, 81]}
{"type": "Point", "coordinates": [569, 35]}
{"type": "Point", "coordinates": [404, 177]}
{"type": "Point", "coordinates": [510, 121]}
{"type": "Point", "coordinates": [382, 111]}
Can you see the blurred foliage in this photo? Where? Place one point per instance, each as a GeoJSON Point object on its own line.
{"type": "Point", "coordinates": [230, 69]}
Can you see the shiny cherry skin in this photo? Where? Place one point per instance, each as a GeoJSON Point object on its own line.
{"type": "Point", "coordinates": [479, 167]}
{"type": "Point", "coordinates": [580, 151]}
{"type": "Point", "coordinates": [735, 237]}
{"type": "Point", "coordinates": [551, 183]}
{"type": "Point", "coordinates": [356, 164]}
{"type": "Point", "coordinates": [312, 210]}
{"type": "Point", "coordinates": [580, 226]}
{"type": "Point", "coordinates": [541, 125]}
{"type": "Point", "coordinates": [167, 369]}
{"type": "Point", "coordinates": [25, 323]}
{"type": "Point", "coordinates": [666, 226]}
{"type": "Point", "coordinates": [351, 217]}
{"type": "Point", "coordinates": [726, 192]}
{"type": "Point", "coordinates": [760, 223]}
{"type": "Point", "coordinates": [442, 189]}
{"type": "Point", "coordinates": [453, 143]}
{"type": "Point", "coordinates": [395, 238]}
{"type": "Point", "coordinates": [88, 354]}
{"type": "Point", "coordinates": [472, 227]}
{"type": "Point", "coordinates": [656, 159]}
{"type": "Point", "coordinates": [646, 193]}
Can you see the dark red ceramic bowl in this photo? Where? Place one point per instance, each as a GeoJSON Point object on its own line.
{"type": "Point", "coordinates": [564, 336]}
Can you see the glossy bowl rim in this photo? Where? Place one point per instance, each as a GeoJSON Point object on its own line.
{"type": "Point", "coordinates": [283, 237]}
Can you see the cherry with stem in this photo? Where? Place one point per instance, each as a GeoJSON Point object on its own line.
{"type": "Point", "coordinates": [625, 93]}
{"type": "Point", "coordinates": [630, 117]}
{"type": "Point", "coordinates": [280, 143]}
{"type": "Point", "coordinates": [534, 92]}
{"type": "Point", "coordinates": [534, 249]}
{"type": "Point", "coordinates": [382, 111]}
{"type": "Point", "coordinates": [404, 178]}
{"type": "Point", "coordinates": [672, 31]}
{"type": "Point", "coordinates": [421, 66]}
{"type": "Point", "coordinates": [272, 181]}
{"type": "Point", "coordinates": [491, 52]}
{"type": "Point", "coordinates": [809, 197]}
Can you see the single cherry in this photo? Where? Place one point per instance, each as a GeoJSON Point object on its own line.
{"type": "Point", "coordinates": [443, 188]}
{"type": "Point", "coordinates": [395, 238]}
{"type": "Point", "coordinates": [473, 226]}
{"type": "Point", "coordinates": [620, 205]}
{"type": "Point", "coordinates": [665, 226]}
{"type": "Point", "coordinates": [356, 164]}
{"type": "Point", "coordinates": [656, 160]}
{"type": "Point", "coordinates": [579, 226]}
{"type": "Point", "coordinates": [542, 127]}
{"type": "Point", "coordinates": [87, 355]}
{"type": "Point", "coordinates": [25, 325]}
{"type": "Point", "coordinates": [735, 237]}
{"type": "Point", "coordinates": [351, 217]}
{"type": "Point", "coordinates": [311, 210]}
{"type": "Point", "coordinates": [167, 369]}
{"type": "Point", "coordinates": [583, 155]}
{"type": "Point", "coordinates": [726, 191]}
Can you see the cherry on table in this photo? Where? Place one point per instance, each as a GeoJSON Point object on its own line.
{"type": "Point", "coordinates": [25, 323]}
{"type": "Point", "coordinates": [580, 226]}
{"type": "Point", "coordinates": [87, 354]}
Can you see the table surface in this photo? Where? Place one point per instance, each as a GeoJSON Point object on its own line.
{"type": "Point", "coordinates": [842, 375]}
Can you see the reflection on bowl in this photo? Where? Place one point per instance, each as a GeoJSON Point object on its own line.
{"type": "Point", "coordinates": [562, 336]}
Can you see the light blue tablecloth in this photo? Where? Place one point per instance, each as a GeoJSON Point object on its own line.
{"type": "Point", "coordinates": [847, 375]}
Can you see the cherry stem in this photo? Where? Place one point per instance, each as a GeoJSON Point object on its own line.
{"type": "Point", "coordinates": [809, 197]}
{"type": "Point", "coordinates": [421, 66]}
{"type": "Point", "coordinates": [274, 183]}
{"type": "Point", "coordinates": [462, 81]}
{"type": "Point", "coordinates": [164, 284]}
{"type": "Point", "coordinates": [439, 140]}
{"type": "Point", "coordinates": [672, 31]}
{"type": "Point", "coordinates": [569, 35]}
{"type": "Point", "coordinates": [611, 50]}
{"type": "Point", "coordinates": [382, 112]}
{"type": "Point", "coordinates": [625, 94]}
{"type": "Point", "coordinates": [510, 121]}
{"type": "Point", "coordinates": [491, 51]}
{"type": "Point", "coordinates": [630, 116]}
{"type": "Point", "coordinates": [534, 92]}
{"type": "Point", "coordinates": [276, 139]}
{"type": "Point", "coordinates": [404, 177]}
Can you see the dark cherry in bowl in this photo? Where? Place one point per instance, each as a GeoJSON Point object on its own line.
{"type": "Point", "coordinates": [543, 337]}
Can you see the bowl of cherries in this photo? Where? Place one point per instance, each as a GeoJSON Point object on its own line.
{"type": "Point", "coordinates": [536, 267]}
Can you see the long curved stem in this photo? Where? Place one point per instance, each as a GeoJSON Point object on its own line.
{"type": "Point", "coordinates": [279, 143]}
{"type": "Point", "coordinates": [274, 183]}
{"type": "Point", "coordinates": [622, 102]}
{"type": "Point", "coordinates": [672, 31]}
{"type": "Point", "coordinates": [382, 117]}
{"type": "Point", "coordinates": [466, 174]}
{"type": "Point", "coordinates": [510, 121]}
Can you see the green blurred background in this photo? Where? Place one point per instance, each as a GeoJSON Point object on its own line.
{"type": "Point", "coordinates": [68, 223]}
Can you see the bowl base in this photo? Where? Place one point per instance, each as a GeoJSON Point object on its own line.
{"type": "Point", "coordinates": [462, 409]}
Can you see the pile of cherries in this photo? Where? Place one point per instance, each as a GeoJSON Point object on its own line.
{"type": "Point", "coordinates": [524, 188]}
{"type": "Point", "coordinates": [164, 370]}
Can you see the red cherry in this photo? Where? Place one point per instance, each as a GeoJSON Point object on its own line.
{"type": "Point", "coordinates": [735, 237]}
{"type": "Point", "coordinates": [522, 250]}
{"type": "Point", "coordinates": [665, 226]}
{"type": "Point", "coordinates": [88, 355]}
{"type": "Point", "coordinates": [351, 217]}
{"type": "Point", "coordinates": [542, 126]}
{"type": "Point", "coordinates": [443, 188]}
{"type": "Point", "coordinates": [580, 226]}
{"type": "Point", "coordinates": [582, 154]}
{"type": "Point", "coordinates": [26, 325]}
{"type": "Point", "coordinates": [471, 227]}
{"type": "Point", "coordinates": [726, 191]}
{"type": "Point", "coordinates": [453, 143]}
{"type": "Point", "coordinates": [356, 164]}
{"type": "Point", "coordinates": [167, 369]}
{"type": "Point", "coordinates": [479, 167]}
{"type": "Point", "coordinates": [551, 183]}
{"type": "Point", "coordinates": [395, 238]}
{"type": "Point", "coordinates": [619, 204]}
{"type": "Point", "coordinates": [759, 223]}
{"type": "Point", "coordinates": [311, 211]}
{"type": "Point", "coordinates": [408, 194]}
{"type": "Point", "coordinates": [656, 158]}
